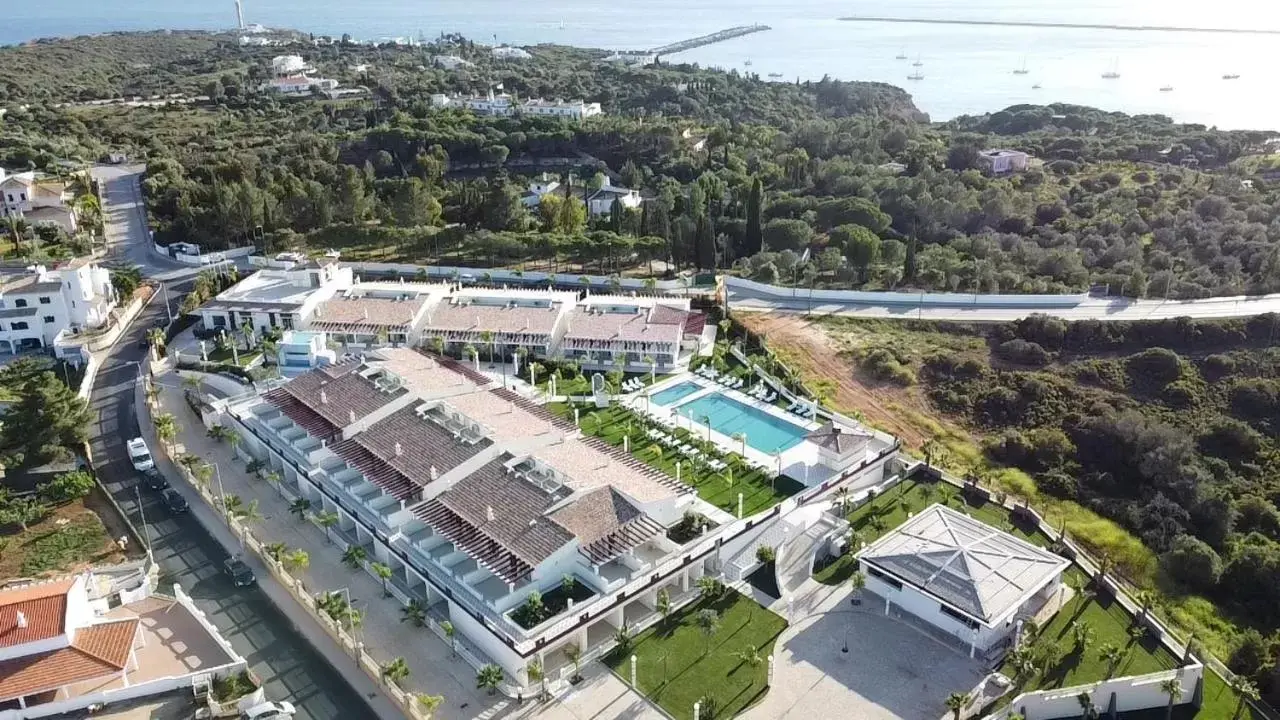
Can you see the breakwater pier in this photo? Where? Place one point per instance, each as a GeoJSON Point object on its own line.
{"type": "Point", "coordinates": [710, 39]}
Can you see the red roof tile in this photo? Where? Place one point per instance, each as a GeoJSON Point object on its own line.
{"type": "Point", "coordinates": [98, 651]}
{"type": "Point", "coordinates": [44, 612]}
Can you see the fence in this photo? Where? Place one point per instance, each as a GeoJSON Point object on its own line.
{"type": "Point", "coordinates": [1138, 692]}
{"type": "Point", "coordinates": [921, 299]}
{"type": "Point", "coordinates": [497, 276]}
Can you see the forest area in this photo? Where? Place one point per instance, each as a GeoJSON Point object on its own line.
{"type": "Point", "coordinates": [827, 183]}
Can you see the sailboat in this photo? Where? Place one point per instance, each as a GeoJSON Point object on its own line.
{"type": "Point", "coordinates": [775, 75]}
{"type": "Point", "coordinates": [1022, 70]}
{"type": "Point", "coordinates": [917, 75]}
{"type": "Point", "coordinates": [1166, 88]}
{"type": "Point", "coordinates": [1231, 76]}
{"type": "Point", "coordinates": [1114, 72]}
{"type": "Point", "coordinates": [902, 55]}
{"type": "Point", "coordinates": [917, 63]}
{"type": "Point", "coordinates": [747, 62]}
{"type": "Point", "coordinates": [1036, 86]}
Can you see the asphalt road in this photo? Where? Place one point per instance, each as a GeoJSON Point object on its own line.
{"type": "Point", "coordinates": [288, 666]}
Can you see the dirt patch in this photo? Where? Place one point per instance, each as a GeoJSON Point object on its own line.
{"type": "Point", "coordinates": [70, 539]}
{"type": "Point", "coordinates": [818, 356]}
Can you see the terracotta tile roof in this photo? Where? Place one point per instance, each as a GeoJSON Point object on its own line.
{"type": "Point", "coordinates": [476, 317]}
{"type": "Point", "coordinates": [335, 392]}
{"type": "Point", "coordinates": [638, 326]}
{"type": "Point", "coordinates": [422, 444]}
{"type": "Point", "coordinates": [98, 651]}
{"type": "Point", "coordinates": [381, 312]}
{"type": "Point", "coordinates": [43, 608]}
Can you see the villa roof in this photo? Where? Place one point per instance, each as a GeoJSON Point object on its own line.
{"type": "Point", "coordinates": [975, 568]}
{"type": "Point", "coordinates": [659, 324]}
{"type": "Point", "coordinates": [496, 517]}
{"type": "Point", "coordinates": [498, 318]}
{"type": "Point", "coordinates": [44, 612]}
{"type": "Point", "coordinates": [338, 393]}
{"type": "Point", "coordinates": [839, 439]}
{"type": "Point", "coordinates": [606, 524]}
{"type": "Point", "coordinates": [96, 651]}
{"type": "Point", "coordinates": [343, 313]}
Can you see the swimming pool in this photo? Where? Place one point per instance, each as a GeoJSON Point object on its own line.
{"type": "Point", "coordinates": [675, 393]}
{"type": "Point", "coordinates": [765, 432]}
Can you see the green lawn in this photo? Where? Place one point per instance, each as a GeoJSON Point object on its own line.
{"type": "Point", "coordinates": [57, 548]}
{"type": "Point", "coordinates": [890, 509]}
{"type": "Point", "coordinates": [677, 664]}
{"type": "Point", "coordinates": [226, 357]}
{"type": "Point", "coordinates": [761, 490]}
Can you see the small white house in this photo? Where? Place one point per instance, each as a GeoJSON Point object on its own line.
{"type": "Point", "coordinates": [601, 201]}
{"type": "Point", "coordinates": [510, 53]}
{"type": "Point", "coordinates": [840, 447]}
{"type": "Point", "coordinates": [1002, 162]}
{"type": "Point", "coordinates": [963, 577]}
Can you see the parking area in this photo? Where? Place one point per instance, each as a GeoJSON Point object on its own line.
{"type": "Point", "coordinates": [890, 670]}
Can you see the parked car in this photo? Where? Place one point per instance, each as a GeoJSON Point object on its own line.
{"type": "Point", "coordinates": [139, 455]}
{"type": "Point", "coordinates": [240, 573]}
{"type": "Point", "coordinates": [269, 711]}
{"type": "Point", "coordinates": [174, 501]}
{"type": "Point", "coordinates": [153, 480]}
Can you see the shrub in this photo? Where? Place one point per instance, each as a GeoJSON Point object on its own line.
{"type": "Point", "coordinates": [1023, 352]}
{"type": "Point", "coordinates": [883, 364]}
{"type": "Point", "coordinates": [1217, 367]}
{"type": "Point", "coordinates": [1193, 563]}
{"type": "Point", "coordinates": [1158, 365]}
{"type": "Point", "coordinates": [66, 487]}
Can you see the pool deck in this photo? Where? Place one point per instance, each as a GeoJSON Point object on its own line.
{"type": "Point", "coordinates": [800, 462]}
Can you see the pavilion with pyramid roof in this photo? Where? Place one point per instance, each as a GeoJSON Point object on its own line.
{"type": "Point", "coordinates": [961, 576]}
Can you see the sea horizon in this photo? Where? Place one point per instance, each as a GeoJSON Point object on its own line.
{"type": "Point", "coordinates": [966, 69]}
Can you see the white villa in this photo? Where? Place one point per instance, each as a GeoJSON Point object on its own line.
{"type": "Point", "coordinates": [1003, 162]}
{"type": "Point", "coordinates": [294, 293]}
{"type": "Point", "coordinates": [963, 577]}
{"type": "Point", "coordinates": [291, 75]}
{"type": "Point", "coordinates": [601, 201]}
{"type": "Point", "coordinates": [36, 198]}
{"type": "Point", "coordinates": [42, 308]}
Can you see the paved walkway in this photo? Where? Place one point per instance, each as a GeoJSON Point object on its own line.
{"type": "Point", "coordinates": [890, 671]}
{"type": "Point", "coordinates": [433, 668]}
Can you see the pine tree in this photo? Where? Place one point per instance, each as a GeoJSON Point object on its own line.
{"type": "Point", "coordinates": [753, 241]}
{"type": "Point", "coordinates": [706, 244]}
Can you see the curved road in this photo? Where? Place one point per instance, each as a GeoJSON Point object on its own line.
{"type": "Point", "coordinates": [188, 555]}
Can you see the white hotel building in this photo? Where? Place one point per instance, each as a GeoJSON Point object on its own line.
{"type": "Point", "coordinates": [293, 293]}
{"type": "Point", "coordinates": [42, 308]}
{"type": "Point", "coordinates": [476, 497]}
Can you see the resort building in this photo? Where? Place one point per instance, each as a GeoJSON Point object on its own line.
{"type": "Point", "coordinates": [640, 333]}
{"type": "Point", "coordinates": [504, 105]}
{"type": "Point", "coordinates": [476, 498]}
{"type": "Point", "coordinates": [302, 350]}
{"type": "Point", "coordinates": [1002, 162]}
{"type": "Point", "coordinates": [963, 577]}
{"type": "Point", "coordinates": [324, 297]}
{"type": "Point", "coordinates": [41, 308]}
{"type": "Point", "coordinates": [500, 322]}
{"type": "Point", "coordinates": [36, 198]}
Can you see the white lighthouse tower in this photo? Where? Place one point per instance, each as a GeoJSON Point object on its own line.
{"type": "Point", "coordinates": [239, 15]}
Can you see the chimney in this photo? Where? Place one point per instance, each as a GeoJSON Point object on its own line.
{"type": "Point", "coordinates": [22, 619]}
{"type": "Point", "coordinates": [324, 398]}
{"type": "Point", "coordinates": [488, 513]}
{"type": "Point", "coordinates": [399, 450]}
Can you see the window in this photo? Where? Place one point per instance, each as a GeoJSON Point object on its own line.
{"type": "Point", "coordinates": [44, 300]}
{"type": "Point", "coordinates": [20, 302]}
{"type": "Point", "coordinates": [884, 577]}
{"type": "Point", "coordinates": [219, 321]}
{"type": "Point", "coordinates": [20, 325]}
{"type": "Point", "coordinates": [958, 617]}
{"type": "Point", "coordinates": [49, 319]}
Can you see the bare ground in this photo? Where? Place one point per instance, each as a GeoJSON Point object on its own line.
{"type": "Point", "coordinates": [815, 354]}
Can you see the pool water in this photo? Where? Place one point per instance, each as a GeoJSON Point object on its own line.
{"type": "Point", "coordinates": [675, 393]}
{"type": "Point", "coordinates": [765, 432]}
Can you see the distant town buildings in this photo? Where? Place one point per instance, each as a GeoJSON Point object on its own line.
{"type": "Point", "coordinates": [1002, 162]}
{"type": "Point", "coordinates": [510, 53]}
{"type": "Point", "coordinates": [451, 62]}
{"type": "Point", "coordinates": [505, 105]}
{"type": "Point", "coordinates": [599, 202]}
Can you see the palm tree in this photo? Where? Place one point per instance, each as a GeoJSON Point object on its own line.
{"type": "Point", "coordinates": [275, 550]}
{"type": "Point", "coordinates": [395, 671]}
{"type": "Point", "coordinates": [537, 674]}
{"type": "Point", "coordinates": [166, 428]}
{"type": "Point", "coordinates": [1146, 599]}
{"type": "Point", "coordinates": [708, 621]}
{"type": "Point", "coordinates": [751, 657]}
{"type": "Point", "coordinates": [1112, 655]}
{"type": "Point", "coordinates": [236, 507]}
{"type": "Point", "coordinates": [857, 582]}
{"type": "Point", "coordinates": [273, 478]}
{"type": "Point", "coordinates": [741, 439]}
{"type": "Point", "coordinates": [449, 634]}
{"type": "Point", "coordinates": [300, 507]}
{"type": "Point", "coordinates": [354, 556]}
{"type": "Point", "coordinates": [1173, 688]}
{"type": "Point", "coordinates": [487, 337]}
{"type": "Point", "coordinates": [710, 587]}
{"type": "Point", "coordinates": [956, 703]}
{"type": "Point", "coordinates": [535, 369]}
{"type": "Point", "coordinates": [1245, 691]}
{"type": "Point", "coordinates": [296, 560]}
{"type": "Point", "coordinates": [155, 338]}
{"type": "Point", "coordinates": [584, 281]}
{"type": "Point", "coordinates": [469, 351]}
{"type": "Point", "coordinates": [934, 452]}
{"type": "Point", "coordinates": [574, 652]}
{"type": "Point", "coordinates": [1082, 633]}
{"type": "Point", "coordinates": [489, 678]}
{"type": "Point", "coordinates": [383, 573]}
{"type": "Point", "coordinates": [201, 472]}
{"type": "Point", "coordinates": [437, 345]}
{"type": "Point", "coordinates": [326, 519]}
{"type": "Point", "coordinates": [663, 604]}
{"type": "Point", "coordinates": [233, 439]}
{"type": "Point", "coordinates": [414, 613]}
{"type": "Point", "coordinates": [429, 703]}
{"type": "Point", "coordinates": [217, 433]}
{"type": "Point", "coordinates": [651, 284]}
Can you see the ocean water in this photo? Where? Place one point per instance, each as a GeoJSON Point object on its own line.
{"type": "Point", "coordinates": [967, 69]}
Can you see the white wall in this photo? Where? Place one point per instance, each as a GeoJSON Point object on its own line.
{"type": "Point", "coordinates": [926, 608]}
{"type": "Point", "coordinates": [486, 641]}
{"type": "Point", "coordinates": [1138, 692]}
